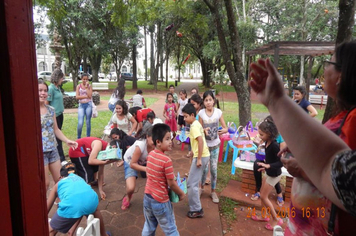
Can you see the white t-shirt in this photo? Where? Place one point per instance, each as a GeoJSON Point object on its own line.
{"type": "Point", "coordinates": [142, 144]}
{"type": "Point", "coordinates": [213, 122]}
{"type": "Point", "coordinates": [137, 100]}
{"type": "Point", "coordinates": [113, 99]}
{"type": "Point", "coordinates": [182, 103]}
{"type": "Point", "coordinates": [124, 124]}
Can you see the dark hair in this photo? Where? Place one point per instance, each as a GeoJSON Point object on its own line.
{"type": "Point", "coordinates": [146, 133]}
{"type": "Point", "coordinates": [196, 98]}
{"type": "Point", "coordinates": [114, 143]}
{"type": "Point", "coordinates": [57, 74]}
{"type": "Point", "coordinates": [119, 132]}
{"type": "Point", "coordinates": [194, 88]}
{"type": "Point", "coordinates": [189, 109]}
{"type": "Point", "coordinates": [184, 92]}
{"type": "Point", "coordinates": [133, 110]}
{"type": "Point", "coordinates": [41, 81]}
{"type": "Point", "coordinates": [85, 74]}
{"type": "Point", "coordinates": [139, 91]}
{"type": "Point", "coordinates": [211, 94]}
{"type": "Point", "coordinates": [123, 105]}
{"type": "Point", "coordinates": [168, 95]}
{"type": "Point", "coordinates": [67, 169]}
{"type": "Point", "coordinates": [159, 131]}
{"type": "Point", "coordinates": [301, 89]}
{"type": "Point", "coordinates": [151, 115]}
{"type": "Point", "coordinates": [171, 86]}
{"type": "Point", "coordinates": [345, 57]}
{"type": "Point", "coordinates": [268, 126]}
{"type": "Point", "coordinates": [120, 90]}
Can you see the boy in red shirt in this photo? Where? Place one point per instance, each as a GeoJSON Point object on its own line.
{"type": "Point", "coordinates": [160, 175]}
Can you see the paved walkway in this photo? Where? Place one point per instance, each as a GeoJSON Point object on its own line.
{"type": "Point", "coordinates": [131, 221]}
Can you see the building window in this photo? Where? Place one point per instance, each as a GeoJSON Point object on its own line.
{"type": "Point", "coordinates": [124, 69]}
{"type": "Point", "coordinates": [42, 66]}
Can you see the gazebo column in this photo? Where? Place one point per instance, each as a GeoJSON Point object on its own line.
{"type": "Point", "coordinates": [276, 55]}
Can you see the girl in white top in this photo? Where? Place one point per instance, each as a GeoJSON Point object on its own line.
{"type": "Point", "coordinates": [182, 101]}
{"type": "Point", "coordinates": [209, 117]}
{"type": "Point", "coordinates": [135, 160]}
{"type": "Point", "coordinates": [123, 119]}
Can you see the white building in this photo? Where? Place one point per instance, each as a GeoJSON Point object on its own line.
{"type": "Point", "coordinates": [45, 58]}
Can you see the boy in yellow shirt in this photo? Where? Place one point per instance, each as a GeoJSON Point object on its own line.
{"type": "Point", "coordinates": [201, 156]}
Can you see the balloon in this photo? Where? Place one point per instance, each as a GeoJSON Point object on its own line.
{"type": "Point", "coordinates": [186, 59]}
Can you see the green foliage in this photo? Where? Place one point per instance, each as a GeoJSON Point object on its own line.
{"type": "Point", "coordinates": [227, 208]}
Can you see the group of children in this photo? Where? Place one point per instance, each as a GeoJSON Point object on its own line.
{"type": "Point", "coordinates": [146, 153]}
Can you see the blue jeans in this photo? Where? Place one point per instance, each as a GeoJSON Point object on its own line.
{"type": "Point", "coordinates": [84, 109]}
{"type": "Point", "coordinates": [158, 213]}
{"type": "Point", "coordinates": [214, 156]}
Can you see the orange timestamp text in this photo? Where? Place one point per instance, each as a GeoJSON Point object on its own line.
{"type": "Point", "coordinates": [304, 212]}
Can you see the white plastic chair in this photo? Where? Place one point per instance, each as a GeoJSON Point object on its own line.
{"type": "Point", "coordinates": [92, 229]}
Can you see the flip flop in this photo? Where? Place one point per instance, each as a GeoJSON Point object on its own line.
{"type": "Point", "coordinates": [125, 204]}
{"type": "Point", "coordinates": [280, 201]}
{"type": "Point", "coordinates": [268, 226]}
{"type": "Point", "coordinates": [255, 197]}
{"type": "Point", "coordinates": [255, 218]}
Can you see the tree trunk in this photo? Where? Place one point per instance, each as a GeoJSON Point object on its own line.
{"type": "Point", "coordinates": [344, 34]}
{"type": "Point", "coordinates": [134, 67]}
{"type": "Point", "coordinates": [235, 71]}
{"type": "Point", "coordinates": [95, 62]}
{"type": "Point", "coordinates": [152, 65]}
{"type": "Point", "coordinates": [146, 59]}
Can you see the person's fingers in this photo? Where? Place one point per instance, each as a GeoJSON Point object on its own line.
{"type": "Point", "coordinates": [261, 169]}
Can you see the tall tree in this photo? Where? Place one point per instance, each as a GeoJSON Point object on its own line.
{"type": "Point", "coordinates": [232, 55]}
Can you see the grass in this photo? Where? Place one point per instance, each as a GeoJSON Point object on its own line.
{"type": "Point", "coordinates": [141, 84]}
{"type": "Point", "coordinates": [227, 209]}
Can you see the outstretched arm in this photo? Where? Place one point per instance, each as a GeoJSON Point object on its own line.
{"type": "Point", "coordinates": [298, 129]}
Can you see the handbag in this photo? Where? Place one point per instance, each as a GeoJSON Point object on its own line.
{"type": "Point", "coordinates": [110, 153]}
{"type": "Point", "coordinates": [241, 138]}
{"type": "Point", "coordinates": [252, 131]}
{"type": "Point", "coordinates": [231, 127]}
{"type": "Point", "coordinates": [94, 113]}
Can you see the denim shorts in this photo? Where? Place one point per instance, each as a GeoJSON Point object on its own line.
{"type": "Point", "coordinates": [50, 157]}
{"type": "Point", "coordinates": [158, 213]}
{"type": "Point", "coordinates": [129, 172]}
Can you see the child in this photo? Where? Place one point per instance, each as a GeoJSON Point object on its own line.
{"type": "Point", "coordinates": [140, 114]}
{"type": "Point", "coordinates": [258, 175]}
{"type": "Point", "coordinates": [50, 132]}
{"type": "Point", "coordinates": [122, 141]}
{"type": "Point", "coordinates": [77, 199]}
{"type": "Point", "coordinates": [123, 119]}
{"type": "Point", "coordinates": [148, 122]}
{"type": "Point", "coordinates": [156, 205]}
{"type": "Point", "coordinates": [118, 94]}
{"type": "Point", "coordinates": [175, 96]}
{"type": "Point", "coordinates": [200, 160]}
{"type": "Point", "coordinates": [83, 95]}
{"type": "Point", "coordinates": [209, 118]}
{"type": "Point", "coordinates": [85, 157]}
{"type": "Point", "coordinates": [273, 166]}
{"type": "Point", "coordinates": [138, 100]}
{"type": "Point", "coordinates": [169, 112]}
{"type": "Point", "coordinates": [299, 98]}
{"type": "Point", "coordinates": [135, 160]}
{"type": "Point", "coordinates": [197, 103]}
{"type": "Point", "coordinates": [181, 103]}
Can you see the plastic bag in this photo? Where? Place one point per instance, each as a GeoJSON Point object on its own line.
{"type": "Point", "coordinates": [94, 113]}
{"type": "Point", "coordinates": [110, 153]}
{"type": "Point", "coordinates": [182, 184]}
{"type": "Point", "coordinates": [247, 156]}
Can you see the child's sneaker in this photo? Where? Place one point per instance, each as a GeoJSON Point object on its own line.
{"type": "Point", "coordinates": [214, 197]}
{"type": "Point", "coordinates": [196, 214]}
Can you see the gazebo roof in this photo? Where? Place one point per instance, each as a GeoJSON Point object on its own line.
{"type": "Point", "coordinates": [294, 48]}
